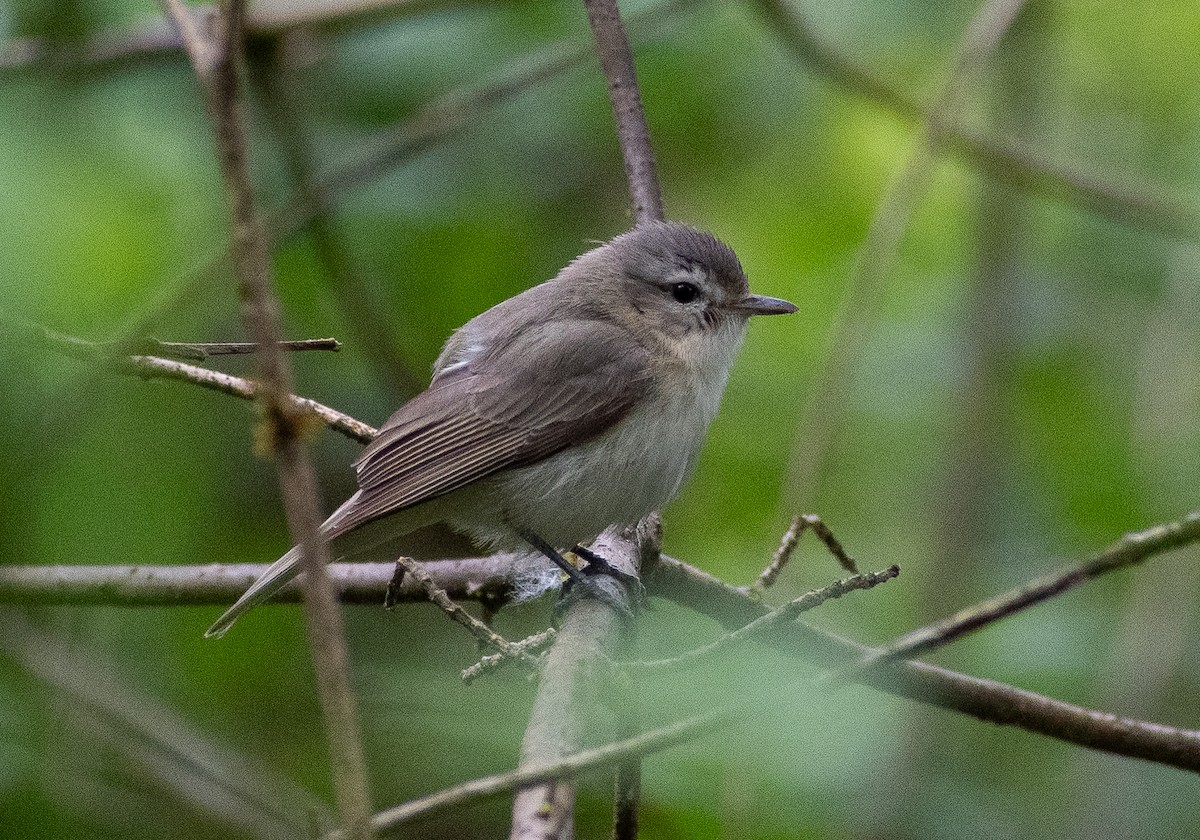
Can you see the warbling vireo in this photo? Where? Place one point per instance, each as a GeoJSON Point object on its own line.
{"type": "Point", "coordinates": [577, 404]}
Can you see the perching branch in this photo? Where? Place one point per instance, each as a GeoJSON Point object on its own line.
{"type": "Point", "coordinates": [487, 579]}
{"type": "Point", "coordinates": [217, 67]}
{"type": "Point", "coordinates": [684, 584]}
{"type": "Point", "coordinates": [616, 60]}
{"type": "Point", "coordinates": [567, 709]}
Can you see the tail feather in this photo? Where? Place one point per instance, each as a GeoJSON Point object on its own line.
{"type": "Point", "coordinates": [277, 576]}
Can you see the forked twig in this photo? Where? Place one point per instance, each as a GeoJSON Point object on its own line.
{"type": "Point", "coordinates": [485, 634]}
{"type": "Point", "coordinates": [800, 523]}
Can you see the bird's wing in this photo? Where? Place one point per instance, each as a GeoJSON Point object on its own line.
{"type": "Point", "coordinates": [549, 388]}
{"type": "Point", "coordinates": [544, 391]}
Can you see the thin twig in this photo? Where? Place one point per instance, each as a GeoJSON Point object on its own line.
{"type": "Point", "coordinates": [759, 626]}
{"type": "Point", "coordinates": [824, 413]}
{"type": "Point", "coordinates": [616, 60]}
{"type": "Point", "coordinates": [406, 566]}
{"type": "Point", "coordinates": [1129, 551]}
{"type": "Point", "coordinates": [153, 367]}
{"type": "Point", "coordinates": [494, 661]}
{"type": "Point", "coordinates": [568, 767]}
{"type": "Point", "coordinates": [201, 351]}
{"type": "Point", "coordinates": [262, 319]}
{"type": "Point", "coordinates": [800, 523]}
{"type": "Point", "coordinates": [82, 348]}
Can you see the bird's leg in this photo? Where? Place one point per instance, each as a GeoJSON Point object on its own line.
{"type": "Point", "coordinates": [576, 577]}
{"type": "Point", "coordinates": [597, 565]}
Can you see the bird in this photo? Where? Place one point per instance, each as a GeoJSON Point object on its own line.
{"type": "Point", "coordinates": [577, 404]}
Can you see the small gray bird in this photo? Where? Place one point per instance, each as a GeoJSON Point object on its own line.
{"type": "Point", "coordinates": [577, 404]}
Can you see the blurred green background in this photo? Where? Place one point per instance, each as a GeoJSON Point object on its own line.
{"type": "Point", "coordinates": [1024, 387]}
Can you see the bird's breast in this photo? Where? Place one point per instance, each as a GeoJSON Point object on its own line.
{"type": "Point", "coordinates": [617, 477]}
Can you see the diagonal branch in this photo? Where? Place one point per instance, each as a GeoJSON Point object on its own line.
{"type": "Point", "coordinates": [218, 71]}
{"type": "Point", "coordinates": [1130, 550]}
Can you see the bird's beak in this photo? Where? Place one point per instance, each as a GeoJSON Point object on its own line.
{"type": "Point", "coordinates": [763, 305]}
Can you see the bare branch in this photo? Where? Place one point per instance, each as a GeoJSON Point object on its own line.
{"type": "Point", "coordinates": [297, 481]}
{"type": "Point", "coordinates": [568, 767]}
{"type": "Point", "coordinates": [566, 708]}
{"type": "Point", "coordinates": [800, 523]}
{"type": "Point", "coordinates": [616, 60]}
{"type": "Point", "coordinates": [756, 628]}
{"type": "Point", "coordinates": [153, 367]}
{"type": "Point", "coordinates": [986, 700]}
{"type": "Point", "coordinates": [1131, 550]}
{"type": "Point", "coordinates": [407, 567]}
{"type": "Point", "coordinates": [677, 581]}
{"type": "Point", "coordinates": [202, 351]}
{"type": "Point", "coordinates": [487, 579]}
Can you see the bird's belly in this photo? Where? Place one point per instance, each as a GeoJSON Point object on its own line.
{"type": "Point", "coordinates": [618, 477]}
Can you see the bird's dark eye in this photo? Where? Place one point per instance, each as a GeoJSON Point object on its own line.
{"type": "Point", "coordinates": [684, 292]}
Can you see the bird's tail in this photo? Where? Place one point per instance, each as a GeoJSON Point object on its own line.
{"type": "Point", "coordinates": [272, 580]}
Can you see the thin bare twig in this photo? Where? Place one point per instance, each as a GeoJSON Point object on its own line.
{"type": "Point", "coordinates": [261, 316]}
{"type": "Point", "coordinates": [824, 413]}
{"type": "Point", "coordinates": [153, 367]}
{"type": "Point", "coordinates": [1128, 551]}
{"type": "Point", "coordinates": [82, 348]}
{"type": "Point", "coordinates": [570, 766]}
{"type": "Point", "coordinates": [616, 60]}
{"type": "Point", "coordinates": [494, 661]}
{"type": "Point", "coordinates": [761, 625]}
{"type": "Point", "coordinates": [407, 567]}
{"type": "Point", "coordinates": [800, 523]}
